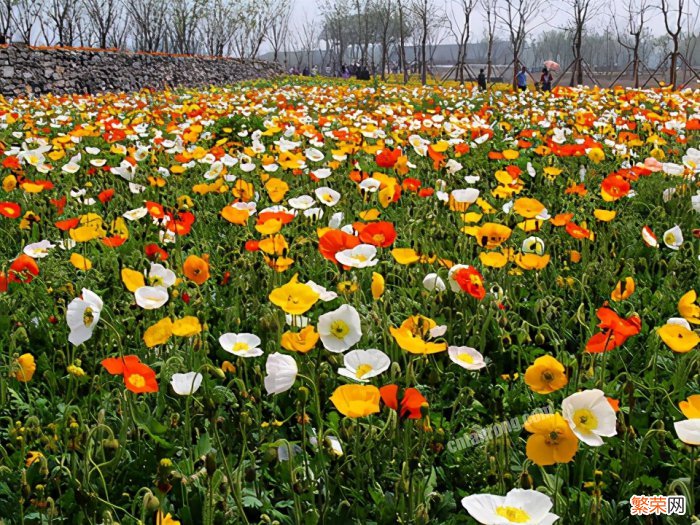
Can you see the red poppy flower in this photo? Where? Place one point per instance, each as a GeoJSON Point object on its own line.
{"type": "Point", "coordinates": [116, 365]}
{"type": "Point", "coordinates": [615, 331]}
{"type": "Point", "coordinates": [471, 281]}
{"type": "Point", "coordinates": [155, 210]}
{"type": "Point", "coordinates": [106, 195]}
{"type": "Point", "coordinates": [3, 282]}
{"type": "Point", "coordinates": [411, 401]}
{"type": "Point", "coordinates": [334, 241]}
{"type": "Point", "coordinates": [59, 204]}
{"type": "Point", "coordinates": [387, 158]}
{"type": "Point", "coordinates": [23, 269]}
{"type": "Point", "coordinates": [11, 210]}
{"type": "Point", "coordinates": [155, 252]}
{"type": "Point", "coordinates": [252, 245]}
{"type": "Point", "coordinates": [11, 163]}
{"type": "Point", "coordinates": [576, 231]}
{"type": "Point", "coordinates": [381, 234]}
{"type": "Point", "coordinates": [113, 241]}
{"type": "Point", "coordinates": [615, 187]}
{"type": "Point", "coordinates": [140, 378]}
{"type": "Point", "coordinates": [284, 218]}
{"type": "Point", "coordinates": [67, 224]}
{"type": "Point", "coordinates": [410, 184]}
{"type": "Point", "coordinates": [180, 223]}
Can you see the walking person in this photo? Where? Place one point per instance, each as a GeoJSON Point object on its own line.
{"type": "Point", "coordinates": [521, 79]}
{"type": "Point", "coordinates": [546, 80]}
{"type": "Point", "coordinates": [481, 80]}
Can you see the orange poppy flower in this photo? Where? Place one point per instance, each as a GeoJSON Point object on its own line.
{"type": "Point", "coordinates": [615, 331]}
{"type": "Point", "coordinates": [196, 269]}
{"type": "Point", "coordinates": [381, 234]}
{"type": "Point", "coordinates": [411, 401]}
{"type": "Point", "coordinates": [577, 232]}
{"type": "Point", "coordinates": [387, 158]}
{"type": "Point", "coordinates": [116, 365]}
{"type": "Point", "coordinates": [11, 210]}
{"type": "Point", "coordinates": [334, 241]}
{"type": "Point", "coordinates": [23, 269]}
{"type": "Point", "coordinates": [140, 378]}
{"type": "Point", "coordinates": [614, 187]}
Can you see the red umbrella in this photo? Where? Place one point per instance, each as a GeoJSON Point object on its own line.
{"type": "Point", "coordinates": [551, 64]}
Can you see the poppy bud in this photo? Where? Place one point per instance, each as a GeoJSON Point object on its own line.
{"type": "Point", "coordinates": [210, 463]}
{"type": "Point", "coordinates": [150, 503]}
{"type": "Point", "coordinates": [539, 338]}
{"type": "Point", "coordinates": [526, 481]}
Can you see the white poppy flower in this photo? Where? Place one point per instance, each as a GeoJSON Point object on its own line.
{"type": "Point", "coordinates": [695, 201]}
{"type": "Point", "coordinates": [590, 416]}
{"type": "Point", "coordinates": [135, 214]}
{"type": "Point", "coordinates": [670, 168]}
{"type": "Point", "coordinates": [281, 373]}
{"type": "Point", "coordinates": [324, 295]}
{"type": "Point", "coordinates": [302, 202]}
{"type": "Point", "coordinates": [526, 507]}
{"type": "Point", "coordinates": [361, 365]}
{"type": "Point", "coordinates": [673, 238]}
{"type": "Point", "coordinates": [340, 329]}
{"type": "Point", "coordinates": [533, 245]}
{"type": "Point", "coordinates": [38, 250]}
{"type": "Point", "coordinates": [136, 188]}
{"type": "Point", "coordinates": [433, 282]}
{"type": "Point", "coordinates": [186, 384]}
{"type": "Point", "coordinates": [92, 151]}
{"type": "Point", "coordinates": [467, 195]}
{"type": "Point", "coordinates": [313, 213]}
{"type": "Point", "coordinates": [327, 196]}
{"type": "Point", "coordinates": [82, 315]}
{"type": "Point", "coordinates": [314, 155]}
{"type": "Point", "coordinates": [159, 275]}
{"type": "Point", "coordinates": [298, 321]}
{"type": "Point", "coordinates": [151, 297]}
{"type": "Point", "coordinates": [322, 173]}
{"type": "Point", "coordinates": [680, 321]}
{"type": "Point", "coordinates": [361, 256]}
{"type": "Point", "coordinates": [466, 357]}
{"type": "Point", "coordinates": [370, 185]}
{"type": "Point", "coordinates": [242, 345]}
{"type": "Point", "coordinates": [688, 431]}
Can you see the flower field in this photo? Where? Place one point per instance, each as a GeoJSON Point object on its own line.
{"type": "Point", "coordinates": [309, 302]}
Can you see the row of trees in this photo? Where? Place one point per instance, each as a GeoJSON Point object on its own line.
{"type": "Point", "coordinates": [374, 33]}
{"type": "Point", "coordinates": [214, 27]}
{"type": "Point", "coordinates": [353, 27]}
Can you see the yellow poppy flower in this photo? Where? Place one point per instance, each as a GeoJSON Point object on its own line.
{"type": "Point", "coordinates": [678, 338]}
{"type": "Point", "coordinates": [80, 262]}
{"type": "Point", "coordinates": [302, 341]}
{"type": "Point", "coordinates": [377, 285]}
{"type": "Point", "coordinates": [623, 289]}
{"type": "Point", "coordinates": [545, 375]}
{"type": "Point", "coordinates": [294, 298]}
{"type": "Point", "coordinates": [158, 333]}
{"type": "Point", "coordinates": [25, 368]}
{"type": "Point", "coordinates": [688, 309]}
{"type": "Point", "coordinates": [356, 400]}
{"type": "Point", "coordinates": [187, 326]}
{"type": "Point", "coordinates": [552, 440]}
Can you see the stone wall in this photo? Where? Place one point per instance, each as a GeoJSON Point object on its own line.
{"type": "Point", "coordinates": [25, 69]}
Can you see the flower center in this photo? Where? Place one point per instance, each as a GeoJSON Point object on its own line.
{"type": "Point", "coordinates": [547, 376]}
{"type": "Point", "coordinates": [241, 347]}
{"type": "Point", "coordinates": [340, 329]}
{"type": "Point", "coordinates": [466, 358]}
{"type": "Point", "coordinates": [363, 370]}
{"type": "Point", "coordinates": [513, 514]}
{"type": "Point", "coordinates": [586, 419]}
{"type": "Point", "coordinates": [88, 317]}
{"type": "Point", "coordinates": [137, 380]}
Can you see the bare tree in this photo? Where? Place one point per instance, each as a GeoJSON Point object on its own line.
{"type": "Point", "coordinates": [631, 39]}
{"type": "Point", "coordinates": [6, 20]}
{"type": "Point", "coordinates": [428, 24]}
{"type": "Point", "coordinates": [185, 16]}
{"type": "Point", "coordinates": [401, 7]}
{"type": "Point", "coordinates": [253, 19]}
{"type": "Point", "coordinates": [459, 24]}
{"type": "Point", "coordinates": [490, 8]}
{"type": "Point", "coordinates": [385, 9]}
{"type": "Point", "coordinates": [103, 17]}
{"type": "Point", "coordinates": [673, 22]}
{"type": "Point", "coordinates": [278, 31]}
{"type": "Point", "coordinates": [216, 28]}
{"type": "Point", "coordinates": [25, 16]}
{"type": "Point", "coordinates": [520, 19]}
{"type": "Point", "coordinates": [580, 10]}
{"type": "Point", "coordinates": [61, 22]}
{"type": "Point", "coordinates": [148, 20]}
